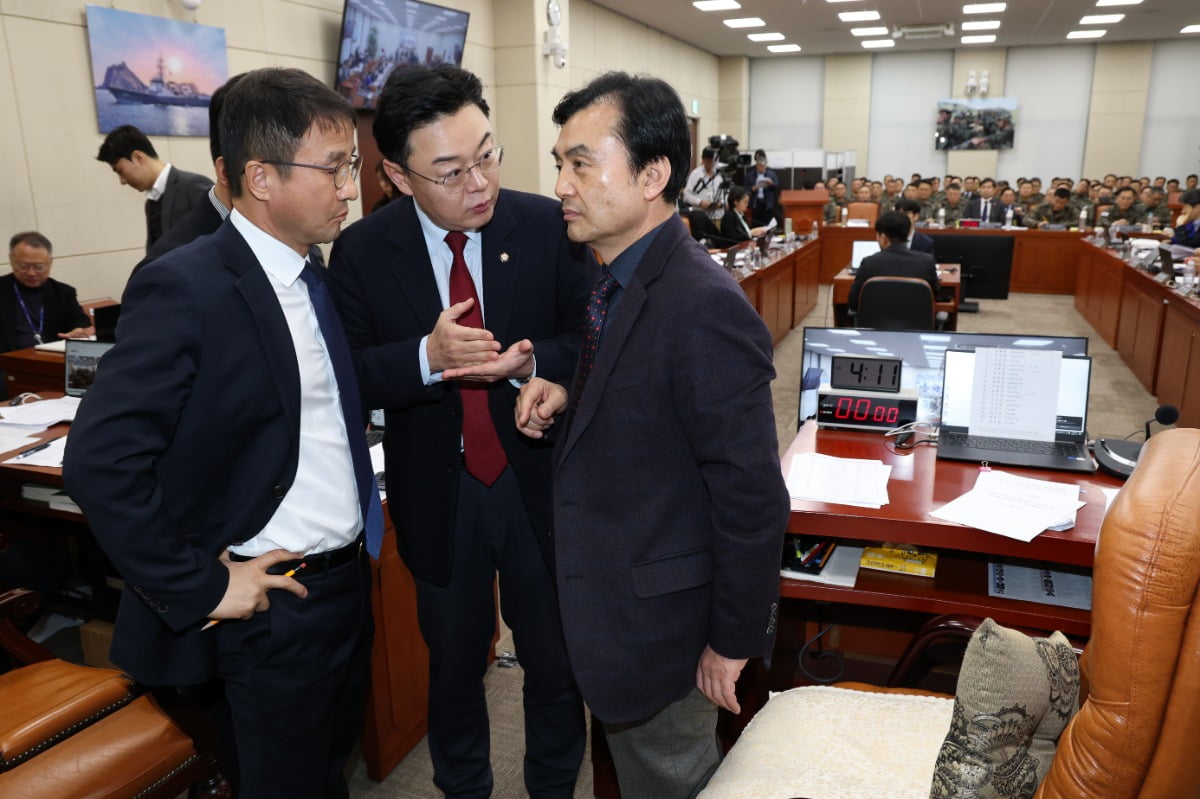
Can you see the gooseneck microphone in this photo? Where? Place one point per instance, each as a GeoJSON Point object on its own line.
{"type": "Point", "coordinates": [1119, 457]}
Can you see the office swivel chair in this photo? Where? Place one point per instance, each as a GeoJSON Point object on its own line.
{"type": "Point", "coordinates": [896, 303]}
{"type": "Point", "coordinates": [867, 211]}
{"type": "Point", "coordinates": [1138, 681]}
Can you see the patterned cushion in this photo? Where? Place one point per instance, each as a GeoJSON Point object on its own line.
{"type": "Point", "coordinates": [1015, 696]}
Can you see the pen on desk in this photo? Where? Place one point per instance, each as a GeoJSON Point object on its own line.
{"type": "Point", "coordinates": [288, 573]}
{"type": "Point", "coordinates": [31, 450]}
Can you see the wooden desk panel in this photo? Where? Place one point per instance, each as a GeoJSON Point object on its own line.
{"type": "Point", "coordinates": [1099, 282]}
{"type": "Point", "coordinates": [806, 209]}
{"type": "Point", "coordinates": [33, 370]}
{"type": "Point", "coordinates": [784, 291]}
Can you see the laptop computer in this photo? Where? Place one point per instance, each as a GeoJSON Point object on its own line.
{"type": "Point", "coordinates": [1010, 411]}
{"type": "Point", "coordinates": [82, 359]}
{"type": "Point", "coordinates": [861, 250]}
{"type": "Point", "coordinates": [105, 319]}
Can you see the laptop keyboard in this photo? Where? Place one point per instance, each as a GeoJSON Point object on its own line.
{"type": "Point", "coordinates": [1011, 444]}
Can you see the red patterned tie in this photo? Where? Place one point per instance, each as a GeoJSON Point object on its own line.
{"type": "Point", "coordinates": [593, 326]}
{"type": "Point", "coordinates": [482, 452]}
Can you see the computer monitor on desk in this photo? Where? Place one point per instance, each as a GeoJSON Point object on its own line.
{"type": "Point", "coordinates": [862, 249]}
{"type": "Point", "coordinates": [922, 354]}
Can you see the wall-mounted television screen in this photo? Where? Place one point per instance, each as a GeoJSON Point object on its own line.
{"type": "Point", "coordinates": [381, 35]}
{"type": "Point", "coordinates": [975, 124]}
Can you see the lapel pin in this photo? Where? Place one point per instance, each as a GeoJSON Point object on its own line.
{"type": "Point", "coordinates": [503, 257]}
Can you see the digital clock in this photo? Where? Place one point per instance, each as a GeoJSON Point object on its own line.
{"type": "Point", "coordinates": [865, 373]}
{"type": "Point", "coordinates": [864, 410]}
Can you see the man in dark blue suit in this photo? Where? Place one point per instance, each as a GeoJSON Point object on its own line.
{"type": "Point", "coordinates": [894, 259]}
{"type": "Point", "coordinates": [917, 240]}
{"type": "Point", "coordinates": [669, 504]}
{"type": "Point", "coordinates": [461, 273]}
{"type": "Point", "coordinates": [985, 207]}
{"type": "Point", "coordinates": [221, 450]}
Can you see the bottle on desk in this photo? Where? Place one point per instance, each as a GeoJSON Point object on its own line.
{"type": "Point", "coordinates": [1008, 217]}
{"type": "Point", "coordinates": [941, 217]}
{"type": "Point", "coordinates": [1083, 218]}
{"type": "Point", "coordinates": [1148, 225]}
{"type": "Point", "coordinates": [845, 214]}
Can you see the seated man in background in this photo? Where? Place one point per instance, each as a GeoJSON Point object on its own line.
{"type": "Point", "coordinates": [985, 206]}
{"type": "Point", "coordinates": [1156, 207]}
{"type": "Point", "coordinates": [953, 204]}
{"type": "Point", "coordinates": [837, 201]}
{"type": "Point", "coordinates": [1057, 211]}
{"type": "Point", "coordinates": [894, 258]}
{"type": "Point", "coordinates": [1125, 209]}
{"type": "Point", "coordinates": [916, 240]}
{"type": "Point", "coordinates": [1187, 229]}
{"type": "Point", "coordinates": [34, 307]}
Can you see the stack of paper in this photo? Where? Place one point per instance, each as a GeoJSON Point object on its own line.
{"type": "Point", "coordinates": [37, 416]}
{"type": "Point", "coordinates": [845, 481]}
{"type": "Point", "coordinates": [1016, 507]}
{"type": "Point", "coordinates": [49, 453]}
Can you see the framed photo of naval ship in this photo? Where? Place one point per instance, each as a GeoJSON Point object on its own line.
{"type": "Point", "coordinates": [157, 74]}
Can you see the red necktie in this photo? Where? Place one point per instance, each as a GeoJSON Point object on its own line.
{"type": "Point", "coordinates": [482, 452]}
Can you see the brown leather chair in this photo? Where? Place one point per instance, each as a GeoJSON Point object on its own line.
{"type": "Point", "coordinates": [1134, 734]}
{"type": "Point", "coordinates": [896, 303]}
{"type": "Point", "coordinates": [77, 731]}
{"type": "Point", "coordinates": [867, 211]}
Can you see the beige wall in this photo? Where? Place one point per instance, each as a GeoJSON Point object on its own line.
{"type": "Point", "coordinates": [848, 106]}
{"type": "Point", "coordinates": [1120, 85]}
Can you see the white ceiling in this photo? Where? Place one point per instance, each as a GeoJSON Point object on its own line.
{"type": "Point", "coordinates": [814, 24]}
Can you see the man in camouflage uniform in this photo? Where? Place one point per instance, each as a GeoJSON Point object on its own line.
{"type": "Point", "coordinates": [1156, 207]}
{"type": "Point", "coordinates": [1125, 209]}
{"type": "Point", "coordinates": [1058, 211]}
{"type": "Point", "coordinates": [926, 200]}
{"type": "Point", "coordinates": [837, 201]}
{"type": "Point", "coordinates": [954, 204]}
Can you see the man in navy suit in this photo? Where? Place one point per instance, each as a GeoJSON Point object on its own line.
{"type": "Point", "coordinates": [895, 258]}
{"type": "Point", "coordinates": [461, 273]}
{"type": "Point", "coordinates": [917, 240]}
{"type": "Point", "coordinates": [221, 449]}
{"type": "Point", "coordinates": [985, 207]}
{"type": "Point", "coordinates": [669, 504]}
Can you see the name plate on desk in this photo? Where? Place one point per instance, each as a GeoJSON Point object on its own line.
{"type": "Point", "coordinates": [865, 410]}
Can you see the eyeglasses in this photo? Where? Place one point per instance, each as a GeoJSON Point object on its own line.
{"type": "Point", "coordinates": [38, 268]}
{"type": "Point", "coordinates": [341, 173]}
{"type": "Point", "coordinates": [487, 164]}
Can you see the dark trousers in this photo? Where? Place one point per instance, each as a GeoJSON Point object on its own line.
{"type": "Point", "coordinates": [295, 680]}
{"type": "Point", "coordinates": [493, 534]}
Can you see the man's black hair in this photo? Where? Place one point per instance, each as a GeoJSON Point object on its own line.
{"type": "Point", "coordinates": [416, 96]}
{"type": "Point", "coordinates": [893, 224]}
{"type": "Point", "coordinates": [122, 142]}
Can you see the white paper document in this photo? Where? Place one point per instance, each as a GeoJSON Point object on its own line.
{"type": "Point", "coordinates": [39, 415]}
{"type": "Point", "coordinates": [842, 568]}
{"type": "Point", "coordinates": [48, 454]}
{"type": "Point", "coordinates": [1016, 507]}
{"type": "Point", "coordinates": [1049, 587]}
{"type": "Point", "coordinates": [1015, 393]}
{"type": "Point", "coordinates": [14, 438]}
{"type": "Point", "coordinates": [845, 481]}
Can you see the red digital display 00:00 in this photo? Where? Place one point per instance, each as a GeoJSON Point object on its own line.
{"type": "Point", "coordinates": [862, 409]}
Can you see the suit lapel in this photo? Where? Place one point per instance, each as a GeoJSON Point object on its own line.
{"type": "Point", "coordinates": [408, 263]}
{"type": "Point", "coordinates": [254, 286]}
{"type": "Point", "coordinates": [620, 325]}
{"type": "Point", "coordinates": [168, 199]}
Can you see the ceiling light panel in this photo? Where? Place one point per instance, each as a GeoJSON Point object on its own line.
{"type": "Point", "coordinates": [1190, 29]}
{"type": "Point", "coordinates": [784, 48]}
{"type": "Point", "coordinates": [1088, 34]}
{"type": "Point", "coordinates": [985, 38]}
{"type": "Point", "coordinates": [858, 16]}
{"type": "Point", "coordinates": [872, 44]}
{"type": "Point", "coordinates": [1101, 19]}
{"type": "Point", "coordinates": [717, 5]}
{"type": "Point", "coordinates": [745, 22]}
{"type": "Point", "coordinates": [981, 25]}
{"type": "Point", "coordinates": [985, 8]}
{"type": "Point", "coordinates": [882, 31]}
{"type": "Point", "coordinates": [1104, 3]}
{"type": "Point", "coordinates": [765, 37]}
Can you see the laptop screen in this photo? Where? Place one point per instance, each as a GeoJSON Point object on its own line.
{"type": "Point", "coordinates": [82, 358]}
{"type": "Point", "coordinates": [1013, 394]}
{"type": "Point", "coordinates": [861, 250]}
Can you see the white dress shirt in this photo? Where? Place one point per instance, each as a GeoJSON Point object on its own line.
{"type": "Point", "coordinates": [155, 192]}
{"type": "Point", "coordinates": [321, 511]}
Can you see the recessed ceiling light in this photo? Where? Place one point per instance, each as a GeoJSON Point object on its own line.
{"type": "Point", "coordinates": [765, 37]}
{"type": "Point", "coordinates": [1190, 29]}
{"type": "Point", "coordinates": [858, 16]}
{"type": "Point", "coordinates": [880, 31]}
{"type": "Point", "coordinates": [1088, 34]}
{"type": "Point", "coordinates": [872, 44]}
{"type": "Point", "coordinates": [982, 25]}
{"type": "Point", "coordinates": [985, 8]}
{"type": "Point", "coordinates": [717, 5]}
{"type": "Point", "coordinates": [784, 48]}
{"type": "Point", "coordinates": [986, 38]}
{"type": "Point", "coordinates": [1101, 19]}
{"type": "Point", "coordinates": [841, 1]}
{"type": "Point", "coordinates": [1103, 3]}
{"type": "Point", "coordinates": [745, 22]}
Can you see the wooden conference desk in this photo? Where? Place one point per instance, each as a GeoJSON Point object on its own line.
{"type": "Point", "coordinates": [33, 370]}
{"type": "Point", "coordinates": [397, 705]}
{"type": "Point", "coordinates": [919, 483]}
{"type": "Point", "coordinates": [1043, 261]}
{"type": "Point", "coordinates": [784, 291]}
{"type": "Point", "coordinates": [949, 275]}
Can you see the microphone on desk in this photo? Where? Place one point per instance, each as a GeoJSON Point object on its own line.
{"type": "Point", "coordinates": [1119, 457]}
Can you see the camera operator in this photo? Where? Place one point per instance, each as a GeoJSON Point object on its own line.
{"type": "Point", "coordinates": [703, 196]}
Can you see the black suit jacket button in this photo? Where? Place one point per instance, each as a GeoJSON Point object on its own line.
{"type": "Point", "coordinates": [278, 492]}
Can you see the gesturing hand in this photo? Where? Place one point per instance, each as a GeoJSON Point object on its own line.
{"type": "Point", "coordinates": [452, 345]}
{"type": "Point", "coordinates": [249, 582]}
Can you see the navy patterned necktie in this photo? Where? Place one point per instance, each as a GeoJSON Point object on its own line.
{"type": "Point", "coordinates": [343, 372]}
{"type": "Point", "coordinates": [593, 325]}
